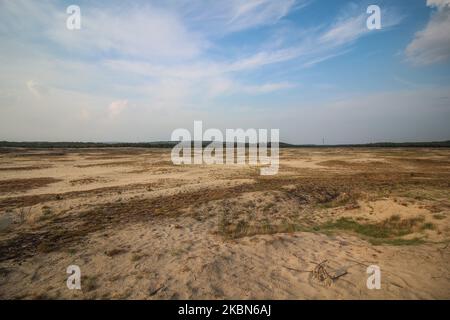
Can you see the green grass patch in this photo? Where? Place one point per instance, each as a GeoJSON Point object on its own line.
{"type": "Point", "coordinates": [388, 231]}
{"type": "Point", "coordinates": [46, 213]}
{"type": "Point", "coordinates": [397, 242]}
{"type": "Point", "coordinates": [245, 227]}
{"type": "Point", "coordinates": [428, 226]}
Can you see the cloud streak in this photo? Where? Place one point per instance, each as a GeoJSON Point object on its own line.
{"type": "Point", "coordinates": [432, 44]}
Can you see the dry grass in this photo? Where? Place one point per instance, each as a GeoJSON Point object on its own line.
{"type": "Point", "coordinates": [21, 185]}
{"type": "Point", "coordinates": [107, 164]}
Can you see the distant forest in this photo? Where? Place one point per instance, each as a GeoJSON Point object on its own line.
{"type": "Point", "coordinates": [171, 144]}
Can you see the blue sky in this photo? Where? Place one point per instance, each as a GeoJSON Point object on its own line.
{"type": "Point", "coordinates": [136, 71]}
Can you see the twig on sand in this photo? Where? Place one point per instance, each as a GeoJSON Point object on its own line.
{"type": "Point", "coordinates": [321, 273]}
{"type": "Point", "coordinates": [152, 293]}
{"type": "Point", "coordinates": [298, 270]}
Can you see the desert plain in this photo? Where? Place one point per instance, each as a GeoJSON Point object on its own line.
{"type": "Point", "coordinates": [140, 227]}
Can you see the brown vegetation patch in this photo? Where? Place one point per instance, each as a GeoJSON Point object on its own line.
{"type": "Point", "coordinates": [363, 165]}
{"type": "Point", "coordinates": [31, 200]}
{"type": "Point", "coordinates": [107, 164]}
{"type": "Point", "coordinates": [105, 157]}
{"type": "Point", "coordinates": [26, 168]}
{"type": "Point", "coordinates": [84, 181]}
{"type": "Point", "coordinates": [40, 154]}
{"type": "Point", "coordinates": [63, 231]}
{"type": "Point", "coordinates": [21, 185]}
{"type": "Point", "coordinates": [425, 163]}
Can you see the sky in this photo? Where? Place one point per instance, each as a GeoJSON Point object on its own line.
{"type": "Point", "coordinates": [137, 70]}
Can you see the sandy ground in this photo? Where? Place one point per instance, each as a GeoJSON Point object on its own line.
{"type": "Point", "coordinates": [140, 227]}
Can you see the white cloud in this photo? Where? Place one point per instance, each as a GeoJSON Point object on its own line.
{"type": "Point", "coordinates": [247, 14]}
{"type": "Point", "coordinates": [438, 3]}
{"type": "Point", "coordinates": [432, 44]}
{"type": "Point", "coordinates": [167, 50]}
{"type": "Point", "coordinates": [139, 31]}
{"type": "Point", "coordinates": [318, 45]}
{"type": "Point", "coordinates": [346, 30]}
{"type": "Point", "coordinates": [267, 87]}
{"type": "Point", "coordinates": [219, 18]}
{"type": "Point", "coordinates": [116, 107]}
{"type": "Point", "coordinates": [216, 78]}
{"type": "Point", "coordinates": [221, 86]}
{"type": "Point", "coordinates": [323, 58]}
{"type": "Point", "coordinates": [36, 89]}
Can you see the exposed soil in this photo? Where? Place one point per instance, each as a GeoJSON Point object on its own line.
{"type": "Point", "coordinates": [140, 227]}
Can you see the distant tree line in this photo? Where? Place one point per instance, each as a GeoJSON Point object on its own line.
{"type": "Point", "coordinates": [171, 144]}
